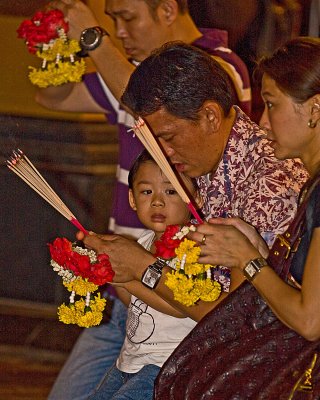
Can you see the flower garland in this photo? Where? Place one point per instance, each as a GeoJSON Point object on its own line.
{"type": "Point", "coordinates": [45, 36]}
{"type": "Point", "coordinates": [82, 272]}
{"type": "Point", "coordinates": [190, 281]}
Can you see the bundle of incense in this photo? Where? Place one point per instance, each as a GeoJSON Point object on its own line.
{"type": "Point", "coordinates": [23, 167]}
{"type": "Point", "coordinates": [144, 134]}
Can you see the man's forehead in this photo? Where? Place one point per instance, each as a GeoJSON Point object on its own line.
{"type": "Point", "coordinates": [119, 6]}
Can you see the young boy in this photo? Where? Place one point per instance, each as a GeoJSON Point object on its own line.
{"type": "Point", "coordinates": [154, 328]}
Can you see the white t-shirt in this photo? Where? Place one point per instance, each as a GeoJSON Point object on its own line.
{"type": "Point", "coordinates": [151, 336]}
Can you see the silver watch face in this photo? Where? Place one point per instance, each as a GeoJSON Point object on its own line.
{"type": "Point", "coordinates": [250, 270]}
{"type": "Point", "coordinates": [90, 38]}
{"type": "Point", "coordinates": [150, 278]}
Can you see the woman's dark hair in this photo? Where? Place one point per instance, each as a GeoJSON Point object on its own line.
{"type": "Point", "coordinates": [295, 67]}
{"type": "Point", "coordinates": [179, 78]}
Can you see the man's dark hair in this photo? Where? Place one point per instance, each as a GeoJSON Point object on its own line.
{"type": "Point", "coordinates": [179, 78]}
{"type": "Point", "coordinates": [154, 4]}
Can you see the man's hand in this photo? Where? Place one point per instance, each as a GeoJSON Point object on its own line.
{"type": "Point", "coordinates": [128, 258]}
{"type": "Point", "coordinates": [78, 15]}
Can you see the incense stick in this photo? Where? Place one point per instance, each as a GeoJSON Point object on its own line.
{"type": "Point", "coordinates": [143, 133]}
{"type": "Point", "coordinates": [20, 164]}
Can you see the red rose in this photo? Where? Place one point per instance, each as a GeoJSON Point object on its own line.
{"type": "Point", "coordinates": [166, 245]}
{"type": "Point", "coordinates": [79, 264]}
{"type": "Point", "coordinates": [101, 272]}
{"type": "Point", "coordinates": [60, 250]}
{"type": "Point", "coordinates": [42, 28]}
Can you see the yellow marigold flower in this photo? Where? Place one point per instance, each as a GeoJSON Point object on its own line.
{"type": "Point", "coordinates": [67, 314]}
{"type": "Point", "coordinates": [181, 287]}
{"type": "Point", "coordinates": [81, 286]}
{"type": "Point", "coordinates": [209, 290]}
{"type": "Point", "coordinates": [61, 47]}
{"type": "Point", "coordinates": [194, 269]}
{"type": "Point", "coordinates": [188, 248]}
{"type": "Point", "coordinates": [57, 74]}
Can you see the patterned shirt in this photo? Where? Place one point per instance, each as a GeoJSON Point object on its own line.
{"type": "Point", "coordinates": [251, 183]}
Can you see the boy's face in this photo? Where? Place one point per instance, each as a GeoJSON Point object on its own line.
{"type": "Point", "coordinates": [155, 200]}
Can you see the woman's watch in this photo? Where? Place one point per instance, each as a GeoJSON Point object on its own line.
{"type": "Point", "coordinates": [153, 273]}
{"type": "Point", "coordinates": [253, 267]}
{"type": "Point", "coordinates": [90, 39]}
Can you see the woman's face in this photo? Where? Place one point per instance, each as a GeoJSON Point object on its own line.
{"type": "Point", "coordinates": [286, 122]}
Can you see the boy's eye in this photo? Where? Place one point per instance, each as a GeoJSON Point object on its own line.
{"type": "Point", "coordinates": [146, 191]}
{"type": "Point", "coordinates": [171, 191]}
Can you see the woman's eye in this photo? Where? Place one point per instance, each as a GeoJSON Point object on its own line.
{"type": "Point", "coordinates": [268, 105]}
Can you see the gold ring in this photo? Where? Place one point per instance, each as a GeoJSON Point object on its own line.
{"type": "Point", "coordinates": [203, 240]}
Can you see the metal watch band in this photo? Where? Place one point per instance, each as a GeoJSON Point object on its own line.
{"type": "Point", "coordinates": [253, 267]}
{"type": "Point", "coordinates": [152, 274]}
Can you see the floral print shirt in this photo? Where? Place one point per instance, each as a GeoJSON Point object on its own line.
{"type": "Point", "coordinates": [251, 183]}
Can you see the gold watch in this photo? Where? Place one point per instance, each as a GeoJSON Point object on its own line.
{"type": "Point", "coordinates": [253, 267]}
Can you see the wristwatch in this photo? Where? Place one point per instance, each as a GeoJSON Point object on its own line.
{"type": "Point", "coordinates": [253, 267]}
{"type": "Point", "coordinates": [152, 274]}
{"type": "Point", "coordinates": [90, 39]}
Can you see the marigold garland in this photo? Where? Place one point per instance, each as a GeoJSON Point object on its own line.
{"type": "Point", "coordinates": [45, 36]}
{"type": "Point", "coordinates": [82, 272]}
{"type": "Point", "coordinates": [190, 281]}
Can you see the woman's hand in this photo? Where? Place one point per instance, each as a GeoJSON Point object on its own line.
{"type": "Point", "coordinates": [228, 241]}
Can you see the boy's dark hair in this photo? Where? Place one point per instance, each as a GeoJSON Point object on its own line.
{"type": "Point", "coordinates": [179, 78]}
{"type": "Point", "coordinates": [142, 158]}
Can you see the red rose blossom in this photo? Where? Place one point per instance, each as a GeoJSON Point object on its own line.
{"type": "Point", "coordinates": [60, 250]}
{"type": "Point", "coordinates": [99, 272]}
{"type": "Point", "coordinates": [166, 245]}
{"type": "Point", "coordinates": [43, 27]}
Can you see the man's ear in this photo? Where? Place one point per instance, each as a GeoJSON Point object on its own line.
{"type": "Point", "coordinates": [211, 113]}
{"type": "Point", "coordinates": [131, 200]}
{"type": "Point", "coordinates": [169, 10]}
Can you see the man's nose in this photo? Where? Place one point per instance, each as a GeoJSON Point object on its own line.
{"type": "Point", "coordinates": [169, 151]}
{"type": "Point", "coordinates": [120, 29]}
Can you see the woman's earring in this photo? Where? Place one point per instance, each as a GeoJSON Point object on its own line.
{"type": "Point", "coordinates": [312, 124]}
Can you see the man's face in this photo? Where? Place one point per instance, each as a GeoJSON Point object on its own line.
{"type": "Point", "coordinates": [192, 146]}
{"type": "Point", "coordinates": [139, 31]}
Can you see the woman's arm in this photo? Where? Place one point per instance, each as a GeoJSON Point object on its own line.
{"type": "Point", "coordinates": [298, 309]}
